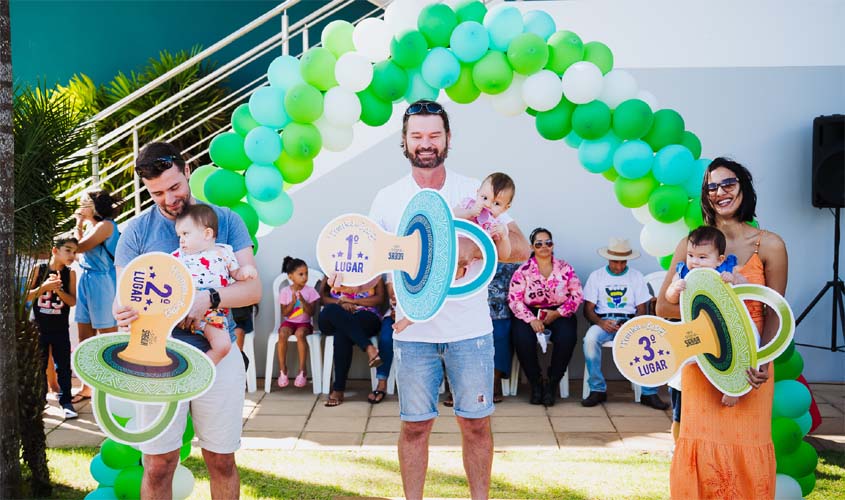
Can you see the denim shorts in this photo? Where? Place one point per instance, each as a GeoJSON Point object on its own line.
{"type": "Point", "coordinates": [419, 373]}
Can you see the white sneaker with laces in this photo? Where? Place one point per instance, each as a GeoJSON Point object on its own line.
{"type": "Point", "coordinates": [70, 412]}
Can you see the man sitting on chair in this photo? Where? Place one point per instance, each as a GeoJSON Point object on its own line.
{"type": "Point", "coordinates": [614, 294]}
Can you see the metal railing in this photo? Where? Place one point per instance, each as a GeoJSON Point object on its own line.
{"type": "Point", "coordinates": [121, 170]}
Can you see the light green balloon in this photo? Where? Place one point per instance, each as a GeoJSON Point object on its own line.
{"type": "Point", "coordinates": [471, 10]}
{"type": "Point", "coordinates": [592, 120]}
{"type": "Point", "coordinates": [197, 181]}
{"type": "Point", "coordinates": [632, 119]}
{"type": "Point", "coordinates": [302, 140]}
{"type": "Point", "coordinates": [610, 174]}
{"type": "Point", "coordinates": [127, 484]}
{"type": "Point", "coordinates": [304, 103]}
{"type": "Point", "coordinates": [600, 55]}
{"type": "Point", "coordinates": [242, 120]}
{"type": "Point", "coordinates": [693, 217]}
{"type": "Point", "coordinates": [436, 22]}
{"type": "Point", "coordinates": [492, 74]}
{"type": "Point", "coordinates": [317, 68]}
{"type": "Point", "coordinates": [668, 203]}
{"type": "Point", "coordinates": [408, 49]}
{"type": "Point", "coordinates": [555, 123]}
{"type": "Point", "coordinates": [294, 170]}
{"type": "Point", "coordinates": [337, 37]}
{"type": "Point", "coordinates": [227, 151]}
{"type": "Point", "coordinates": [274, 212]}
{"type": "Point", "coordinates": [565, 49]}
{"type": "Point", "coordinates": [225, 188]}
{"type": "Point", "coordinates": [633, 193]}
{"type": "Point", "coordinates": [374, 111]}
{"type": "Point", "coordinates": [528, 53]}
{"type": "Point", "coordinates": [390, 82]}
{"type": "Point", "coordinates": [464, 90]}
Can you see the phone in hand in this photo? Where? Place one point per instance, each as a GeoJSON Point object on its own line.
{"type": "Point", "coordinates": [542, 313]}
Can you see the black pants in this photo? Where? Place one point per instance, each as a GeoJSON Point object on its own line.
{"type": "Point", "coordinates": [563, 337]}
{"type": "Point", "coordinates": [60, 342]}
{"type": "Point", "coordinates": [349, 329]}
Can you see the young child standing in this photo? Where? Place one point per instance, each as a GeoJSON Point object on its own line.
{"type": "Point", "coordinates": [705, 249]}
{"type": "Point", "coordinates": [211, 265]}
{"type": "Point", "coordinates": [298, 303]}
{"type": "Point", "coordinates": [53, 288]}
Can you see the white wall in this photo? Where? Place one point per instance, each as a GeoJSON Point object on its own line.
{"type": "Point", "coordinates": [756, 109]}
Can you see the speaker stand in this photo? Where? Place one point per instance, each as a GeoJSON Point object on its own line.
{"type": "Point", "coordinates": [838, 301]}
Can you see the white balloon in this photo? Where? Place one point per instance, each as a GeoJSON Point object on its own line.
{"type": "Point", "coordinates": [542, 90]}
{"type": "Point", "coordinates": [341, 107]}
{"type": "Point", "coordinates": [335, 138]}
{"type": "Point", "coordinates": [643, 214]}
{"type": "Point", "coordinates": [649, 98]}
{"type": "Point", "coordinates": [353, 71]}
{"type": "Point", "coordinates": [263, 230]}
{"type": "Point", "coordinates": [371, 38]}
{"type": "Point", "coordinates": [402, 15]}
{"type": "Point", "coordinates": [618, 87]}
{"type": "Point", "coordinates": [510, 102]}
{"type": "Point", "coordinates": [787, 488]}
{"type": "Point", "coordinates": [582, 82]}
{"type": "Point", "coordinates": [659, 239]}
{"type": "Point", "coordinates": [121, 407]}
{"type": "Point", "coordinates": [183, 483]}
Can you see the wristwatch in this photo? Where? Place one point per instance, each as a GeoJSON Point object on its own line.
{"type": "Point", "coordinates": [214, 296]}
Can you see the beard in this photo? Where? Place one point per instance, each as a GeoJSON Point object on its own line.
{"type": "Point", "coordinates": [435, 161]}
{"type": "Point", "coordinates": [175, 213]}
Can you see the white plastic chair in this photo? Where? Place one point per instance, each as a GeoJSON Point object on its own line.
{"type": "Point", "coordinates": [249, 351]}
{"type": "Point", "coordinates": [316, 369]}
{"type": "Point", "coordinates": [514, 380]}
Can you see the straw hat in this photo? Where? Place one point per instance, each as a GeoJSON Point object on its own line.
{"type": "Point", "coordinates": [618, 249]}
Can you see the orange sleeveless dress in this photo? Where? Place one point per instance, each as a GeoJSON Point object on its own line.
{"type": "Point", "coordinates": [726, 453]}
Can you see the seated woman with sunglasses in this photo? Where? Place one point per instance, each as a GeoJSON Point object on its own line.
{"type": "Point", "coordinates": [544, 294]}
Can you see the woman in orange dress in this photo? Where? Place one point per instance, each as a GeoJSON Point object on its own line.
{"type": "Point", "coordinates": [727, 452]}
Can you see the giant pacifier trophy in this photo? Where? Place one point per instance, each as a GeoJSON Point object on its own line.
{"type": "Point", "coordinates": [423, 255]}
{"type": "Point", "coordinates": [145, 365]}
{"type": "Point", "coordinates": [715, 329]}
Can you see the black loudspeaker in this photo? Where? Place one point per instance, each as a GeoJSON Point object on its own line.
{"type": "Point", "coordinates": [829, 161]}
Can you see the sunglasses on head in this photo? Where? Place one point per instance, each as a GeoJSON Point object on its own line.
{"type": "Point", "coordinates": [429, 107]}
{"type": "Point", "coordinates": [163, 162]}
{"type": "Point", "coordinates": [540, 243]}
{"type": "Point", "coordinates": [727, 185]}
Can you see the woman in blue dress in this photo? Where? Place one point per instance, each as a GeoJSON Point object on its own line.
{"type": "Point", "coordinates": [98, 234]}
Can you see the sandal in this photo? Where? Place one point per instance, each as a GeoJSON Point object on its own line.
{"type": "Point", "coordinates": [335, 400]}
{"type": "Point", "coordinates": [449, 402]}
{"type": "Point", "coordinates": [79, 398]}
{"type": "Point", "coordinates": [498, 398]}
{"type": "Point", "coordinates": [377, 397]}
{"type": "Point", "coordinates": [283, 380]}
{"type": "Point", "coordinates": [375, 362]}
{"type": "Point", "coordinates": [301, 380]}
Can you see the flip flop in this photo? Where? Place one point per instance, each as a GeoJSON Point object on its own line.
{"type": "Point", "coordinates": [375, 362]}
{"type": "Point", "coordinates": [79, 398]}
{"type": "Point", "coordinates": [449, 402]}
{"type": "Point", "coordinates": [378, 397]}
{"type": "Point", "coordinates": [333, 401]}
{"type": "Point", "coordinates": [498, 398]}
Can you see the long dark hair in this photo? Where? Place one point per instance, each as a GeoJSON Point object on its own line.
{"type": "Point", "coordinates": [748, 207]}
{"type": "Point", "coordinates": [104, 204]}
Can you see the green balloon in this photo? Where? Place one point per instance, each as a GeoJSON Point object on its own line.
{"type": "Point", "coordinates": [565, 49]}
{"type": "Point", "coordinates": [408, 49]}
{"type": "Point", "coordinates": [317, 68]}
{"type": "Point", "coordinates": [693, 217]}
{"type": "Point", "coordinates": [492, 74]}
{"type": "Point", "coordinates": [248, 215]}
{"type": "Point", "coordinates": [791, 368]}
{"type": "Point", "coordinates": [691, 142]}
{"type": "Point", "coordinates": [664, 261]}
{"type": "Point", "coordinates": [436, 22]}
{"type": "Point", "coordinates": [786, 435]}
{"type": "Point", "coordinates": [632, 119]}
{"type": "Point", "coordinates": [118, 455]}
{"type": "Point", "coordinates": [294, 170]}
{"type": "Point", "coordinates": [556, 123]}
{"type": "Point", "coordinates": [531, 111]}
{"type": "Point", "coordinates": [471, 10]}
{"type": "Point", "coordinates": [667, 128]}
{"type": "Point", "coordinates": [225, 188]}
{"type": "Point", "coordinates": [254, 244]}
{"type": "Point", "coordinates": [633, 193]}
{"type": "Point", "coordinates": [807, 483]}
{"type": "Point", "coordinates": [304, 103]}
{"type": "Point", "coordinates": [592, 120]}
{"type": "Point", "coordinates": [374, 111]}
{"type": "Point", "coordinates": [668, 203]}
{"type": "Point", "coordinates": [197, 181]}
{"type": "Point", "coordinates": [227, 151]}
{"type": "Point", "coordinates": [185, 451]}
{"type": "Point", "coordinates": [799, 463]}
{"type": "Point", "coordinates": [600, 55]}
{"type": "Point", "coordinates": [337, 37]}
{"type": "Point", "coordinates": [528, 53]}
{"type": "Point", "coordinates": [390, 82]}
{"type": "Point", "coordinates": [127, 484]}
{"type": "Point", "coordinates": [464, 90]}
{"type": "Point", "coordinates": [188, 435]}
{"type": "Point", "coordinates": [302, 140]}
{"type": "Point", "coordinates": [242, 120]}
{"type": "Point", "coordinates": [786, 353]}
{"type": "Point", "coordinates": [121, 420]}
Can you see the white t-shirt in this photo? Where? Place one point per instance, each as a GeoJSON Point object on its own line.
{"type": "Point", "coordinates": [616, 294]}
{"type": "Point", "coordinates": [458, 319]}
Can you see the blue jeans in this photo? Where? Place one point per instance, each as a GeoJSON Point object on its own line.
{"type": "Point", "coordinates": [502, 345]}
{"type": "Point", "coordinates": [385, 348]}
{"type": "Point", "coordinates": [419, 373]}
{"type": "Point", "coordinates": [593, 340]}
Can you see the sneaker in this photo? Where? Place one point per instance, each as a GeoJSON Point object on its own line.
{"type": "Point", "coordinates": [654, 401]}
{"type": "Point", "coordinates": [300, 379]}
{"type": "Point", "coordinates": [283, 380]}
{"type": "Point", "coordinates": [69, 411]}
{"type": "Point", "coordinates": [594, 398]}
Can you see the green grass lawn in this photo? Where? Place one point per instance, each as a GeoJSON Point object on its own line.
{"type": "Point", "coordinates": [563, 474]}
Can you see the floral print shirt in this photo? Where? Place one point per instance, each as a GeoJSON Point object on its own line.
{"type": "Point", "coordinates": [497, 291]}
{"type": "Point", "coordinates": [529, 289]}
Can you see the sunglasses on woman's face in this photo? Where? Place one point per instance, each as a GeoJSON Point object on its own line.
{"type": "Point", "coordinates": [540, 243]}
{"type": "Point", "coordinates": [429, 107]}
{"type": "Point", "coordinates": [727, 185]}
